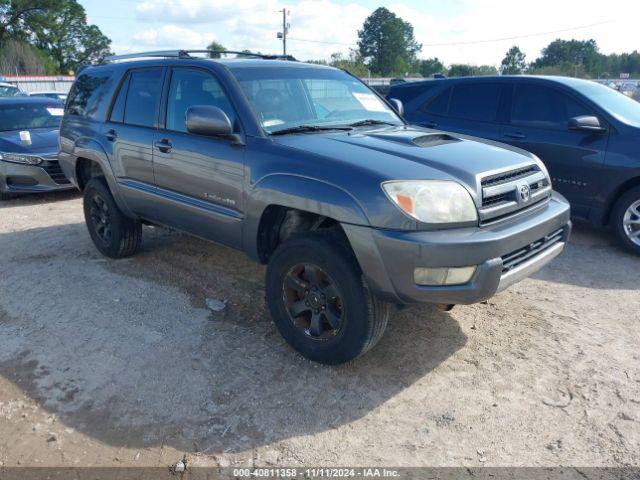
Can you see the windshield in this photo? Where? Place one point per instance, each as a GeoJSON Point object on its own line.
{"type": "Point", "coordinates": [289, 97]}
{"type": "Point", "coordinates": [27, 116]}
{"type": "Point", "coordinates": [615, 103]}
{"type": "Point", "coordinates": [8, 91]}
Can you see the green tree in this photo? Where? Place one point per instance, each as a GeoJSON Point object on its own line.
{"type": "Point", "coordinates": [388, 43]}
{"type": "Point", "coordinates": [484, 70]}
{"type": "Point", "coordinates": [430, 66]}
{"type": "Point", "coordinates": [68, 39]}
{"type": "Point", "coordinates": [570, 55]}
{"type": "Point", "coordinates": [460, 70]}
{"type": "Point", "coordinates": [215, 47]}
{"type": "Point", "coordinates": [17, 16]}
{"type": "Point", "coordinates": [514, 62]}
{"type": "Point", "coordinates": [352, 64]}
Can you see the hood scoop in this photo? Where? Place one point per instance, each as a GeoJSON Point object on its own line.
{"type": "Point", "coordinates": [427, 140]}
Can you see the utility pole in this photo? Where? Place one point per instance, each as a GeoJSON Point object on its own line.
{"type": "Point", "coordinates": [285, 29]}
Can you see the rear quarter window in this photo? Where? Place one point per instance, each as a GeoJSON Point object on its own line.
{"type": "Point", "coordinates": [89, 94]}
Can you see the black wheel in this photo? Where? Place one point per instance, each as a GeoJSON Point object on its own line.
{"type": "Point", "coordinates": [113, 233]}
{"type": "Point", "coordinates": [626, 220]}
{"type": "Point", "coordinates": [319, 300]}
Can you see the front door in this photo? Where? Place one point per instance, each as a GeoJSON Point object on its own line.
{"type": "Point", "coordinates": [199, 179]}
{"type": "Point", "coordinates": [539, 123]}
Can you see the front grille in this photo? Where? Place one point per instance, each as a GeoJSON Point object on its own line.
{"type": "Point", "coordinates": [52, 167]}
{"type": "Point", "coordinates": [516, 258]}
{"type": "Point", "coordinates": [509, 176]}
{"type": "Point", "coordinates": [502, 195]}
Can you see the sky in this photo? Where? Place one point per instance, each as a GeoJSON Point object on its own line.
{"type": "Point", "coordinates": [477, 32]}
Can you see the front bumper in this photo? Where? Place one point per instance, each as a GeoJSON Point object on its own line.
{"type": "Point", "coordinates": [503, 253]}
{"type": "Point", "coordinates": [45, 177]}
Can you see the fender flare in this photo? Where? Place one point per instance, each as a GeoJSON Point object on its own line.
{"type": "Point", "coordinates": [91, 149]}
{"type": "Point", "coordinates": [299, 192]}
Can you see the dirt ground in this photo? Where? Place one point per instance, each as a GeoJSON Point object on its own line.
{"type": "Point", "coordinates": [107, 362]}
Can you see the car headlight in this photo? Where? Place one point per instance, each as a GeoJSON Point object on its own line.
{"type": "Point", "coordinates": [19, 158]}
{"type": "Point", "coordinates": [432, 201]}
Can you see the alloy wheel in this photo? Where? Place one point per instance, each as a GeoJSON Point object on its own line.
{"type": "Point", "coordinates": [313, 301]}
{"type": "Point", "coordinates": [631, 222]}
{"type": "Point", "coordinates": [101, 218]}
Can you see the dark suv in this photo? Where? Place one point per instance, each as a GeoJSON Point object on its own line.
{"type": "Point", "coordinates": [303, 167]}
{"type": "Point", "coordinates": [587, 135]}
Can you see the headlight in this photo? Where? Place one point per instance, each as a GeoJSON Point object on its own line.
{"type": "Point", "coordinates": [432, 201]}
{"type": "Point", "coordinates": [19, 158]}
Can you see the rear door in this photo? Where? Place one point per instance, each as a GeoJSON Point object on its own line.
{"type": "Point", "coordinates": [130, 130]}
{"type": "Point", "coordinates": [199, 179]}
{"type": "Point", "coordinates": [539, 123]}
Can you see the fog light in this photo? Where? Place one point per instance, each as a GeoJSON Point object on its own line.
{"type": "Point", "coordinates": [443, 275]}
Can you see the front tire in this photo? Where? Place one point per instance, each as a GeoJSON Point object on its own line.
{"type": "Point", "coordinates": [626, 220]}
{"type": "Point", "coordinates": [113, 233]}
{"type": "Point", "coordinates": [319, 301]}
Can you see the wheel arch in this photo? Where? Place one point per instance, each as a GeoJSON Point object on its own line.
{"type": "Point", "coordinates": [296, 204]}
{"type": "Point", "coordinates": [613, 199]}
{"type": "Point", "coordinates": [90, 160]}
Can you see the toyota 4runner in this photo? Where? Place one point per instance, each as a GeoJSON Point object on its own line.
{"type": "Point", "coordinates": [307, 170]}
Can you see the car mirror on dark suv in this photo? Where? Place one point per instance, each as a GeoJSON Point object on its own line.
{"type": "Point", "coordinates": [397, 106]}
{"type": "Point", "coordinates": [209, 121]}
{"type": "Point", "coordinates": [586, 123]}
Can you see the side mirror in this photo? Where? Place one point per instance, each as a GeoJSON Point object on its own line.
{"type": "Point", "coordinates": [397, 106]}
{"type": "Point", "coordinates": [586, 123]}
{"type": "Point", "coordinates": [208, 120]}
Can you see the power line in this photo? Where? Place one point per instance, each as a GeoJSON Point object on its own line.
{"type": "Point", "coordinates": [469, 42]}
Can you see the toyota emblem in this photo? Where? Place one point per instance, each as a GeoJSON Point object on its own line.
{"type": "Point", "coordinates": [525, 193]}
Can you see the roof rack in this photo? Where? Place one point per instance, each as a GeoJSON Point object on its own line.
{"type": "Point", "coordinates": [187, 54]}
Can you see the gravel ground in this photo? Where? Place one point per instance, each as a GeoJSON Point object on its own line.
{"type": "Point", "coordinates": [107, 362]}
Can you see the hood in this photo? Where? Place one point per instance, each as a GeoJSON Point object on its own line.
{"type": "Point", "coordinates": [414, 153]}
{"type": "Point", "coordinates": [44, 141]}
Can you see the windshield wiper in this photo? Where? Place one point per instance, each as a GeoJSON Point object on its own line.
{"type": "Point", "coordinates": [306, 129]}
{"type": "Point", "coordinates": [370, 121]}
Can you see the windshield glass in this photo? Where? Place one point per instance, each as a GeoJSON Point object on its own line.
{"type": "Point", "coordinates": [288, 97]}
{"type": "Point", "coordinates": [8, 91]}
{"type": "Point", "coordinates": [617, 104]}
{"type": "Point", "coordinates": [27, 116]}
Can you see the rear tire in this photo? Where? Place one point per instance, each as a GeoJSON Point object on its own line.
{"type": "Point", "coordinates": [113, 233]}
{"type": "Point", "coordinates": [625, 220]}
{"type": "Point", "coordinates": [319, 300]}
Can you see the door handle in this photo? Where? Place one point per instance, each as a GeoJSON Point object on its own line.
{"type": "Point", "coordinates": [516, 135]}
{"type": "Point", "coordinates": [111, 135]}
{"type": "Point", "coordinates": [431, 124]}
{"type": "Point", "coordinates": [163, 145]}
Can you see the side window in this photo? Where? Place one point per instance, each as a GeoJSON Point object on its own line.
{"type": "Point", "coordinates": [194, 87]}
{"type": "Point", "coordinates": [475, 101]}
{"type": "Point", "coordinates": [88, 92]}
{"type": "Point", "coordinates": [438, 105]}
{"type": "Point", "coordinates": [540, 106]}
{"type": "Point", "coordinates": [143, 95]}
{"type": "Point", "coordinates": [117, 111]}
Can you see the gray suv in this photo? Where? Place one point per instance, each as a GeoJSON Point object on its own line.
{"type": "Point", "coordinates": [307, 170]}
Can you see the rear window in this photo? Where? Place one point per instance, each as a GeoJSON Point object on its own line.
{"type": "Point", "coordinates": [408, 92]}
{"type": "Point", "coordinates": [438, 105]}
{"type": "Point", "coordinates": [89, 93]}
{"type": "Point", "coordinates": [477, 101]}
